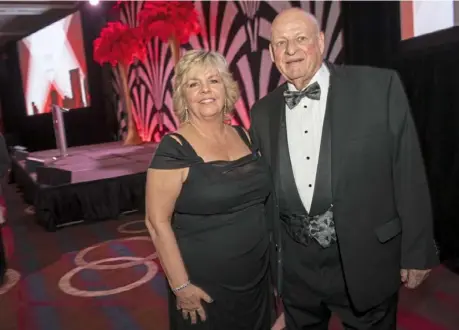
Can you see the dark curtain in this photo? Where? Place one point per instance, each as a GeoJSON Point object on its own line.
{"type": "Point", "coordinates": [371, 32]}
{"type": "Point", "coordinates": [432, 85]}
{"type": "Point", "coordinates": [430, 75]}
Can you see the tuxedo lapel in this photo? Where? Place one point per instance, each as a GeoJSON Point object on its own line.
{"type": "Point", "coordinates": [340, 104]}
{"type": "Point", "coordinates": [277, 113]}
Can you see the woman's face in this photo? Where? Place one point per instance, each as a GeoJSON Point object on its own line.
{"type": "Point", "coordinates": [204, 92]}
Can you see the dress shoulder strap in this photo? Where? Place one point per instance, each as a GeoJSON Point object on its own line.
{"type": "Point", "coordinates": [172, 154]}
{"type": "Point", "coordinates": [184, 142]}
{"type": "Point", "coordinates": [244, 135]}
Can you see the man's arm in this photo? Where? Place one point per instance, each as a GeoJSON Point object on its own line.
{"type": "Point", "coordinates": [410, 185]}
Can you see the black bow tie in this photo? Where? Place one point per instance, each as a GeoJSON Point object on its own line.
{"type": "Point", "coordinates": [292, 98]}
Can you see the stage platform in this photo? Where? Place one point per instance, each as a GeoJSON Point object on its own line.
{"type": "Point", "coordinates": [93, 182]}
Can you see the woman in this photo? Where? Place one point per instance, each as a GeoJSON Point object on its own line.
{"type": "Point", "coordinates": [206, 189]}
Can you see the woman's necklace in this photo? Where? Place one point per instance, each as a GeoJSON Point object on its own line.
{"type": "Point", "coordinates": [204, 135]}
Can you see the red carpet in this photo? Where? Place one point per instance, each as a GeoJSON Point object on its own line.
{"type": "Point", "coordinates": [105, 276]}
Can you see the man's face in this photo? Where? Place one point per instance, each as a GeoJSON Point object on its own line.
{"type": "Point", "coordinates": [296, 47]}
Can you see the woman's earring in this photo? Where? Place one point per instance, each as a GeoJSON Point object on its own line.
{"type": "Point", "coordinates": [225, 111]}
{"type": "Point", "coordinates": [187, 119]}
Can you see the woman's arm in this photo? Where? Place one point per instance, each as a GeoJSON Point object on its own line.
{"type": "Point", "coordinates": [163, 188]}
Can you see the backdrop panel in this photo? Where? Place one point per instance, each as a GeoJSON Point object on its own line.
{"type": "Point", "coordinates": [240, 31]}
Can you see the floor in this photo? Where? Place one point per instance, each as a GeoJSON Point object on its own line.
{"type": "Point", "coordinates": [105, 276]}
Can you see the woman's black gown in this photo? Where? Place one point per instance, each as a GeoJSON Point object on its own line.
{"type": "Point", "coordinates": [220, 225]}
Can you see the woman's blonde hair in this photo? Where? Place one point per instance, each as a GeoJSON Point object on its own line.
{"type": "Point", "coordinates": [202, 58]}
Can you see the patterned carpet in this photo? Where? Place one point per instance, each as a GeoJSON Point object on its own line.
{"type": "Point", "coordinates": [105, 276]}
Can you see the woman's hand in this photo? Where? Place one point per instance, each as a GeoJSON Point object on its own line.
{"type": "Point", "coordinates": [189, 301]}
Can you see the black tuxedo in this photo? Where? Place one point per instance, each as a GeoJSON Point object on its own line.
{"type": "Point", "coordinates": [380, 194]}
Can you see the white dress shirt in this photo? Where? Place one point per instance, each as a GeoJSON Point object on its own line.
{"type": "Point", "coordinates": [304, 133]}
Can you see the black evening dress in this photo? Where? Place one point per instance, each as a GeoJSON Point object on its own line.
{"type": "Point", "coordinates": [219, 222]}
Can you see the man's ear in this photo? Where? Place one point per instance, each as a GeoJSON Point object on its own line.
{"type": "Point", "coordinates": [321, 43]}
{"type": "Point", "coordinates": [271, 52]}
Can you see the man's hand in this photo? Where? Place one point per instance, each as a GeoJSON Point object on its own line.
{"type": "Point", "coordinates": [280, 323]}
{"type": "Point", "coordinates": [412, 278]}
{"type": "Point", "coordinates": [2, 217]}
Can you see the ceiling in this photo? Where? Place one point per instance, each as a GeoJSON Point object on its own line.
{"type": "Point", "coordinates": [20, 18]}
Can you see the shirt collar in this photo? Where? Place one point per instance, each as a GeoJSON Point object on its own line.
{"type": "Point", "coordinates": [320, 77]}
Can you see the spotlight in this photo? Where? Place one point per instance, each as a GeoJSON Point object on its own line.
{"type": "Point", "coordinates": [94, 2]}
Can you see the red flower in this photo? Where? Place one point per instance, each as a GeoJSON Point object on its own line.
{"type": "Point", "coordinates": [119, 43]}
{"type": "Point", "coordinates": [166, 19]}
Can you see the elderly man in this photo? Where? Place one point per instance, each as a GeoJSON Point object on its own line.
{"type": "Point", "coordinates": [352, 216]}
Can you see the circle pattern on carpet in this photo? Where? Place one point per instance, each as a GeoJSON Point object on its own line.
{"type": "Point", "coordinates": [150, 269]}
{"type": "Point", "coordinates": [12, 277]}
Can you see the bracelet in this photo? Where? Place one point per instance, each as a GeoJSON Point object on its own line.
{"type": "Point", "coordinates": [181, 287]}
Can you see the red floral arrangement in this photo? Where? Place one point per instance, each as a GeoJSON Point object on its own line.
{"type": "Point", "coordinates": [166, 19]}
{"type": "Point", "coordinates": [119, 43]}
